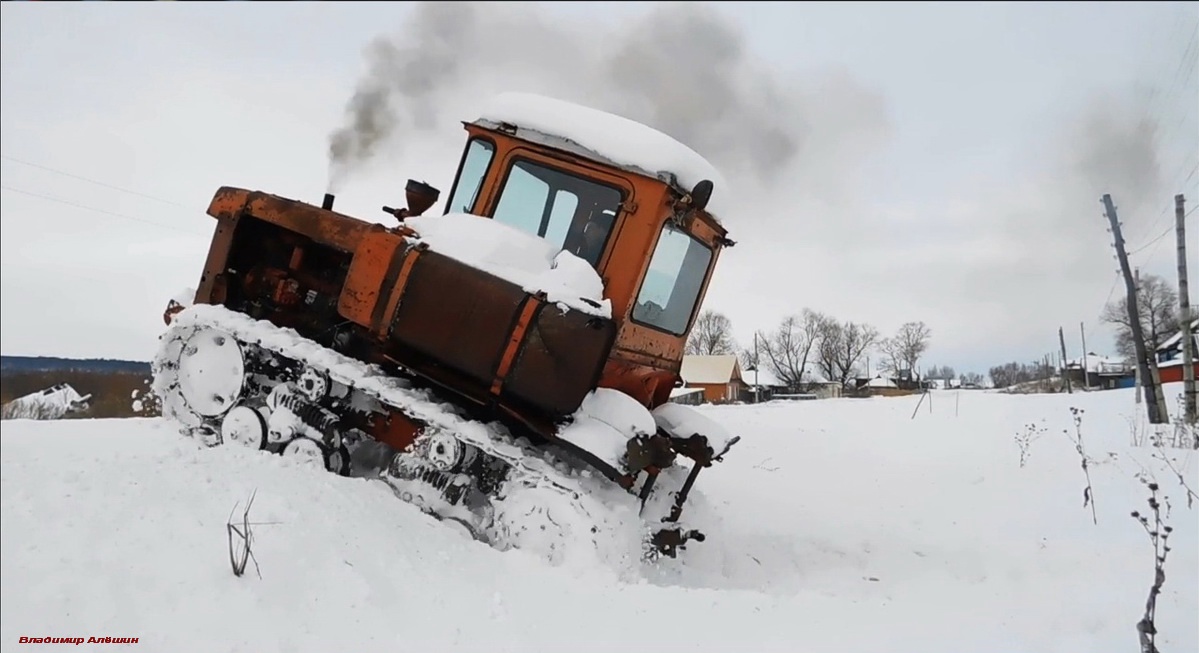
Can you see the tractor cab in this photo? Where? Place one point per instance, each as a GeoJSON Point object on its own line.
{"type": "Point", "coordinates": [612, 192]}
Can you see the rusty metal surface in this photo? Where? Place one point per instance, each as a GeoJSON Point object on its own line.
{"type": "Point", "coordinates": [516, 341]}
{"type": "Point", "coordinates": [210, 288]}
{"type": "Point", "coordinates": [327, 227]}
{"type": "Point", "coordinates": [492, 332]}
{"type": "Point", "coordinates": [456, 315]}
{"type": "Point", "coordinates": [561, 360]}
{"type": "Point", "coordinates": [648, 383]}
{"type": "Point", "coordinates": [363, 289]}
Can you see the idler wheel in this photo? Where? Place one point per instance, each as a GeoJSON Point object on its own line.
{"type": "Point", "coordinates": [211, 372]}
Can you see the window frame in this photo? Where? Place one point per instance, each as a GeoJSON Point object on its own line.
{"type": "Point", "coordinates": [482, 180]}
{"type": "Point", "coordinates": [517, 156]}
{"type": "Point", "coordinates": [645, 275]}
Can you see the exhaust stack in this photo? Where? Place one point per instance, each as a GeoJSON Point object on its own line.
{"type": "Point", "coordinates": [328, 203]}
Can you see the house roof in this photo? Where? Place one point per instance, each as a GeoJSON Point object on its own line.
{"type": "Point", "coordinates": [763, 376]}
{"type": "Point", "coordinates": [710, 369]}
{"type": "Point", "coordinates": [1095, 363]}
{"type": "Point", "coordinates": [1174, 340]}
{"type": "Point", "coordinates": [881, 382]}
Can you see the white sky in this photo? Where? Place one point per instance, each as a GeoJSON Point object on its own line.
{"type": "Point", "coordinates": [950, 164]}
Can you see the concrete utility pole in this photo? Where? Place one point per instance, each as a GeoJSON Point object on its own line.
{"type": "Point", "coordinates": [1061, 336]}
{"type": "Point", "coordinates": [1184, 309]}
{"type": "Point", "coordinates": [1156, 414]}
{"type": "Point", "coordinates": [1086, 365]}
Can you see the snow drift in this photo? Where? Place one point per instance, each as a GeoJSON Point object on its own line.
{"type": "Point", "coordinates": [840, 525]}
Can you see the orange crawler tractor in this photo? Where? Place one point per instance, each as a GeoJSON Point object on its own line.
{"type": "Point", "coordinates": [506, 366]}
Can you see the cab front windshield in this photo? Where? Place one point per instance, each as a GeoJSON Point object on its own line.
{"type": "Point", "coordinates": [571, 212]}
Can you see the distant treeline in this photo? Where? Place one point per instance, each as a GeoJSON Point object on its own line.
{"type": "Point", "coordinates": [25, 364]}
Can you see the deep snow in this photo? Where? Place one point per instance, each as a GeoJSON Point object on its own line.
{"type": "Point", "coordinates": [837, 525]}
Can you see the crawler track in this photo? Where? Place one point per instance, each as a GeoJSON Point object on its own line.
{"type": "Point", "coordinates": [226, 378]}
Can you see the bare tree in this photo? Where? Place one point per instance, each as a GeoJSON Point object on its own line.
{"type": "Point", "coordinates": [1157, 303]}
{"type": "Point", "coordinates": [842, 345]}
{"type": "Point", "coordinates": [750, 357]}
{"type": "Point", "coordinates": [712, 335]}
{"type": "Point", "coordinates": [788, 350]}
{"type": "Point", "coordinates": [944, 373]}
{"type": "Point", "coordinates": [892, 355]}
{"type": "Point", "coordinates": [971, 378]}
{"type": "Point", "coordinates": [912, 340]}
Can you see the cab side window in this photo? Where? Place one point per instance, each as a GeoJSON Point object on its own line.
{"type": "Point", "coordinates": [672, 284]}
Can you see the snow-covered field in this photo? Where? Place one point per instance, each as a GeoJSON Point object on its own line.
{"type": "Point", "coordinates": [840, 525]}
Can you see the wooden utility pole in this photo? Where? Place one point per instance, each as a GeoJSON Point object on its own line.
{"type": "Point", "coordinates": [1061, 336]}
{"type": "Point", "coordinates": [1140, 377]}
{"type": "Point", "coordinates": [757, 364]}
{"type": "Point", "coordinates": [1086, 364]}
{"type": "Point", "coordinates": [1184, 309]}
{"type": "Point", "coordinates": [1155, 383]}
{"type": "Point", "coordinates": [1156, 414]}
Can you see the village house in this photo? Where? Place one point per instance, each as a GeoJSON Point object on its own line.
{"type": "Point", "coordinates": [1169, 355]}
{"type": "Point", "coordinates": [718, 376]}
{"type": "Point", "coordinates": [769, 387]}
{"type": "Point", "coordinates": [762, 385]}
{"type": "Point", "coordinates": [1102, 373]}
{"type": "Point", "coordinates": [721, 379]}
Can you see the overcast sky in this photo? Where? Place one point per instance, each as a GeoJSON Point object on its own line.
{"type": "Point", "coordinates": [939, 162]}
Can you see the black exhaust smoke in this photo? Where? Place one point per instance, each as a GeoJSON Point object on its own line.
{"type": "Point", "coordinates": [328, 203]}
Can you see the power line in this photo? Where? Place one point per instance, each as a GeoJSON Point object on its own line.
{"type": "Point", "coordinates": [103, 211]}
{"type": "Point", "coordinates": [1156, 242]}
{"type": "Point", "coordinates": [1178, 80]}
{"type": "Point", "coordinates": [1163, 96]}
{"type": "Point", "coordinates": [88, 180]}
{"type": "Point", "coordinates": [1146, 245]}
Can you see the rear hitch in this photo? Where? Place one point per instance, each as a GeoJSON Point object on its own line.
{"type": "Point", "coordinates": [669, 541]}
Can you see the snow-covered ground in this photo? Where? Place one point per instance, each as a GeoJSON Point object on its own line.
{"type": "Point", "coordinates": [838, 525]}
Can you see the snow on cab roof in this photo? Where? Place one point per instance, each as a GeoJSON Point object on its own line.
{"type": "Point", "coordinates": [605, 137]}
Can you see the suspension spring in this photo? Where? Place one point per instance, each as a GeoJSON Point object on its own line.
{"type": "Point", "coordinates": [324, 421]}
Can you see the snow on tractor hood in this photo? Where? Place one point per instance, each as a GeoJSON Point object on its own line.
{"type": "Point", "coordinates": [516, 256]}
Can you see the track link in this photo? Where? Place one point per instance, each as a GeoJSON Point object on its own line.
{"type": "Point", "coordinates": [542, 503]}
